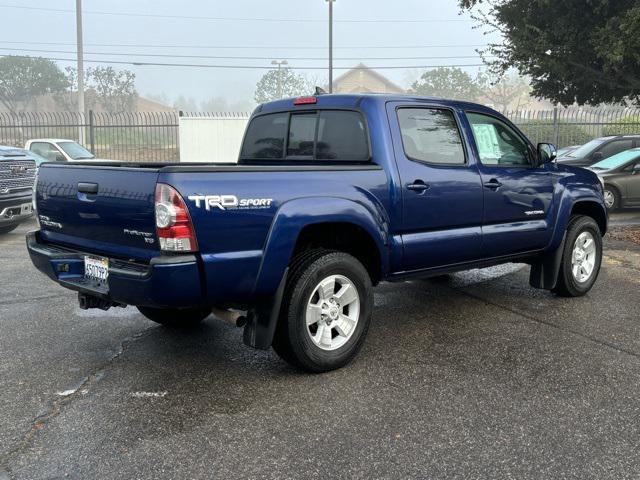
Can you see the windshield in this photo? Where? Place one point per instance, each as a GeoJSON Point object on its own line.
{"type": "Point", "coordinates": [617, 160]}
{"type": "Point", "coordinates": [586, 148]}
{"type": "Point", "coordinates": [75, 150]}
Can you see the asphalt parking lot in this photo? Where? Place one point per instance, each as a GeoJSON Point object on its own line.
{"type": "Point", "coordinates": [475, 376]}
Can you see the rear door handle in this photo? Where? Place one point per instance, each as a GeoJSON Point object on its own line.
{"type": "Point", "coordinates": [493, 184]}
{"type": "Point", "coordinates": [88, 188]}
{"type": "Point", "coordinates": [418, 186]}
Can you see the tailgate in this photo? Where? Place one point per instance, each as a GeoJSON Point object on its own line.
{"type": "Point", "coordinates": [108, 210]}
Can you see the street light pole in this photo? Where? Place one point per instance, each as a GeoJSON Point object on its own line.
{"type": "Point", "coordinates": [279, 63]}
{"type": "Point", "coordinates": [80, 66]}
{"type": "Point", "coordinates": [331, 45]}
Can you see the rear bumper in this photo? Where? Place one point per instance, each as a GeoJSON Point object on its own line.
{"type": "Point", "coordinates": [12, 210]}
{"type": "Point", "coordinates": [165, 282]}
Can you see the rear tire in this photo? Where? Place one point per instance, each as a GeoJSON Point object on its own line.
{"type": "Point", "coordinates": [326, 311]}
{"type": "Point", "coordinates": [612, 198]}
{"type": "Point", "coordinates": [8, 228]}
{"type": "Point", "coordinates": [182, 318]}
{"type": "Point", "coordinates": [581, 258]}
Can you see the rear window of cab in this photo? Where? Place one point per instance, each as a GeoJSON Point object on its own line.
{"type": "Point", "coordinates": [310, 135]}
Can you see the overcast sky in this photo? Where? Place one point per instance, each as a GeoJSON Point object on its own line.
{"type": "Point", "coordinates": [232, 29]}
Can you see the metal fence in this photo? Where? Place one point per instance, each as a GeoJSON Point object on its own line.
{"type": "Point", "coordinates": [575, 126]}
{"type": "Point", "coordinates": [154, 136]}
{"type": "Point", "coordinates": [134, 136]}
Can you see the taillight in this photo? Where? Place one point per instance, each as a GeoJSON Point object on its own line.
{"type": "Point", "coordinates": [173, 223]}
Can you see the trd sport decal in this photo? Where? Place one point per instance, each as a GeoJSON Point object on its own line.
{"type": "Point", "coordinates": [229, 202]}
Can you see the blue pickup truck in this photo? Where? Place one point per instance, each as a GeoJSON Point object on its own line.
{"type": "Point", "coordinates": [331, 195]}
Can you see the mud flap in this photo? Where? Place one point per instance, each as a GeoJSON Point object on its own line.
{"type": "Point", "coordinates": [263, 318]}
{"type": "Point", "coordinates": [544, 272]}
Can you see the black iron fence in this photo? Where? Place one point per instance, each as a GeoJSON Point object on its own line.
{"type": "Point", "coordinates": [154, 136]}
{"type": "Point", "coordinates": [134, 136]}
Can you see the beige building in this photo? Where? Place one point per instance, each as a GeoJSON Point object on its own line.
{"type": "Point", "coordinates": [362, 79]}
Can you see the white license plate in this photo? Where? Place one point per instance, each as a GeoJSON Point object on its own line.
{"type": "Point", "coordinates": [25, 209]}
{"type": "Point", "coordinates": [96, 268]}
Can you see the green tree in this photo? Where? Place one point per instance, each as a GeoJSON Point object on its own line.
{"type": "Point", "coordinates": [115, 89]}
{"type": "Point", "coordinates": [23, 78]}
{"type": "Point", "coordinates": [281, 83]}
{"type": "Point", "coordinates": [573, 51]}
{"type": "Point", "coordinates": [445, 82]}
{"type": "Point", "coordinates": [510, 92]}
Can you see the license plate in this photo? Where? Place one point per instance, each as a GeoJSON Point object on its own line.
{"type": "Point", "coordinates": [96, 268]}
{"type": "Point", "coordinates": [25, 209]}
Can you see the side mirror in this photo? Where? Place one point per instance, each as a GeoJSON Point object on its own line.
{"type": "Point", "coordinates": [60, 158]}
{"type": "Point", "coordinates": [597, 156]}
{"type": "Point", "coordinates": [636, 169]}
{"type": "Point", "coordinates": [547, 153]}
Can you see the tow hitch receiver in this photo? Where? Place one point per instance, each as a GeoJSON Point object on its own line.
{"type": "Point", "coordinates": [89, 301]}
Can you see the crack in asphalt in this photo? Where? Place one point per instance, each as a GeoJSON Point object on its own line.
{"type": "Point", "coordinates": [57, 405]}
{"type": "Point", "coordinates": [529, 317]}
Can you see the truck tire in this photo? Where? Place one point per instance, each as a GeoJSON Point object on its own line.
{"type": "Point", "coordinates": [8, 228]}
{"type": "Point", "coordinates": [581, 258]}
{"type": "Point", "coordinates": [175, 317]}
{"type": "Point", "coordinates": [326, 311]}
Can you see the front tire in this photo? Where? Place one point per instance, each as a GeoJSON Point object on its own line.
{"type": "Point", "coordinates": [181, 318]}
{"type": "Point", "coordinates": [8, 228]}
{"type": "Point", "coordinates": [581, 258]}
{"type": "Point", "coordinates": [326, 311]}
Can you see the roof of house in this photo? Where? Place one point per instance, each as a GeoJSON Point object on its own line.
{"type": "Point", "coordinates": [391, 87]}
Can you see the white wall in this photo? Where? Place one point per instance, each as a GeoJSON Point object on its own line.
{"type": "Point", "coordinates": [214, 139]}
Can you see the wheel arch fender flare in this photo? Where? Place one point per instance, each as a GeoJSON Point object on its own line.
{"type": "Point", "coordinates": [293, 216]}
{"type": "Point", "coordinates": [289, 221]}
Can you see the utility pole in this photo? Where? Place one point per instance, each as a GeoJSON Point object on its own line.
{"type": "Point", "coordinates": [330, 45]}
{"type": "Point", "coordinates": [80, 66]}
{"type": "Point", "coordinates": [279, 63]}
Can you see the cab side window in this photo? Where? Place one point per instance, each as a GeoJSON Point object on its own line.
{"type": "Point", "coordinates": [497, 143]}
{"type": "Point", "coordinates": [431, 135]}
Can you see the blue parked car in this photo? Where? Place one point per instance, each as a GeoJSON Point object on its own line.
{"type": "Point", "coordinates": [331, 195]}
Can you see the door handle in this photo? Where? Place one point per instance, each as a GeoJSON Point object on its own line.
{"type": "Point", "coordinates": [418, 186]}
{"type": "Point", "coordinates": [493, 184]}
{"type": "Point", "coordinates": [89, 188]}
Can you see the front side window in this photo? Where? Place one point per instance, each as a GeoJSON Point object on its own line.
{"type": "Point", "coordinates": [615, 147]}
{"type": "Point", "coordinates": [45, 150]}
{"type": "Point", "coordinates": [431, 135]}
{"type": "Point", "coordinates": [498, 143]}
{"type": "Point", "coordinates": [332, 135]}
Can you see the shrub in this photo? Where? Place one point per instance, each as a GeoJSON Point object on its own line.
{"type": "Point", "coordinates": [542, 131]}
{"type": "Point", "coordinates": [629, 125]}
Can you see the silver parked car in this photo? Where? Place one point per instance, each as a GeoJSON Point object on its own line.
{"type": "Point", "coordinates": [621, 177]}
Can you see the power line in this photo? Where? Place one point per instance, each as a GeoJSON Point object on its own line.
{"type": "Point", "coordinates": [244, 67]}
{"type": "Point", "coordinates": [232, 19]}
{"type": "Point", "coordinates": [234, 57]}
{"type": "Point", "coordinates": [249, 47]}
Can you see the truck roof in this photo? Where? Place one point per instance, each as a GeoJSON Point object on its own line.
{"type": "Point", "coordinates": [52, 140]}
{"type": "Point", "coordinates": [354, 99]}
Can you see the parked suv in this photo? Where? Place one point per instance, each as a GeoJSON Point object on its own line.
{"type": "Point", "coordinates": [599, 149]}
{"type": "Point", "coordinates": [17, 177]}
